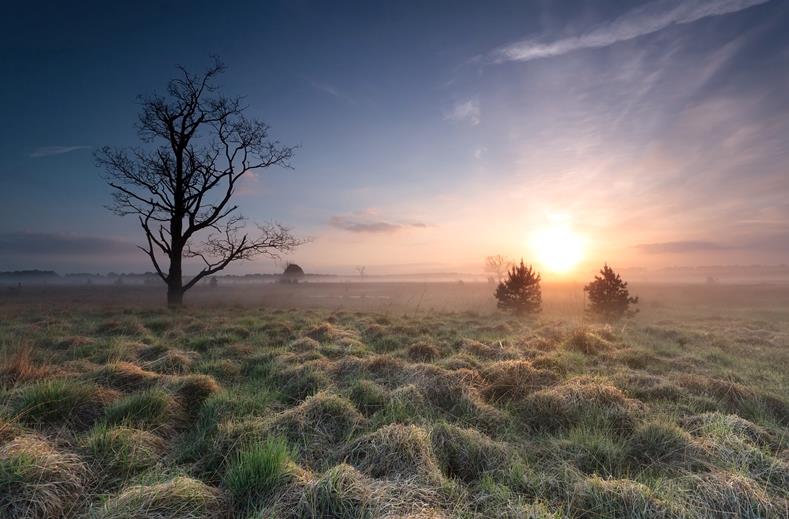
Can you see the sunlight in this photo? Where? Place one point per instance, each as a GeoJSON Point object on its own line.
{"type": "Point", "coordinates": [558, 249]}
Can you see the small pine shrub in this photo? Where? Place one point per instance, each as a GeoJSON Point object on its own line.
{"type": "Point", "coordinates": [609, 298]}
{"type": "Point", "coordinates": [520, 292]}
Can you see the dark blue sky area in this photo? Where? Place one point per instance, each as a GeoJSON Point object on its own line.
{"type": "Point", "coordinates": [660, 123]}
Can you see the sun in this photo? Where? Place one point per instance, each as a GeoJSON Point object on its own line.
{"type": "Point", "coordinates": [558, 249]}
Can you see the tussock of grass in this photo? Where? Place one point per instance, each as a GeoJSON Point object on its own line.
{"type": "Point", "coordinates": [342, 493]}
{"type": "Point", "coordinates": [304, 345]}
{"type": "Point", "coordinates": [120, 452]}
{"type": "Point", "coordinates": [514, 379]}
{"type": "Point", "coordinates": [580, 399]}
{"type": "Point", "coordinates": [223, 369]}
{"type": "Point", "coordinates": [586, 341]}
{"type": "Point", "coordinates": [257, 471]}
{"type": "Point", "coordinates": [328, 332]}
{"type": "Point", "coordinates": [19, 367]}
{"type": "Point", "coordinates": [193, 390]}
{"type": "Point", "coordinates": [124, 376]}
{"type": "Point", "coordinates": [37, 480]}
{"type": "Point", "coordinates": [454, 394]}
{"type": "Point", "coordinates": [57, 401]}
{"type": "Point", "coordinates": [368, 396]}
{"type": "Point", "coordinates": [318, 427]}
{"type": "Point", "coordinates": [172, 362]}
{"type": "Point", "coordinates": [724, 494]}
{"type": "Point", "coordinates": [659, 442]}
{"type": "Point", "coordinates": [423, 352]}
{"type": "Point", "coordinates": [298, 382]}
{"type": "Point", "coordinates": [149, 409]}
{"type": "Point", "coordinates": [395, 451]}
{"type": "Point", "coordinates": [597, 498]}
{"type": "Point", "coordinates": [179, 498]}
{"type": "Point", "coordinates": [467, 454]}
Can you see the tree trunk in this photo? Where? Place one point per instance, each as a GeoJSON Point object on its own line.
{"type": "Point", "coordinates": [175, 296]}
{"type": "Point", "coordinates": [175, 289]}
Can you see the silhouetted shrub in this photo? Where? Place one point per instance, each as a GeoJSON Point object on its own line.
{"type": "Point", "coordinates": [609, 298]}
{"type": "Point", "coordinates": [520, 292]}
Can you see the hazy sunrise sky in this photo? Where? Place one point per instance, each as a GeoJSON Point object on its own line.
{"type": "Point", "coordinates": [431, 134]}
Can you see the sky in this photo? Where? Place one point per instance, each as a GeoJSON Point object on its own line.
{"type": "Point", "coordinates": [430, 134]}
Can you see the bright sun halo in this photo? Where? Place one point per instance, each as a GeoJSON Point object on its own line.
{"type": "Point", "coordinates": [558, 249]}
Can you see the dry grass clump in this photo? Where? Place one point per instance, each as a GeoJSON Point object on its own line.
{"type": "Point", "coordinates": [368, 396]}
{"type": "Point", "coordinates": [454, 393]}
{"type": "Point", "coordinates": [738, 445]}
{"type": "Point", "coordinates": [193, 390]}
{"type": "Point", "coordinates": [120, 452]}
{"type": "Point", "coordinates": [459, 361]}
{"type": "Point", "coordinates": [467, 454]}
{"type": "Point", "coordinates": [304, 345]}
{"type": "Point", "coordinates": [482, 350]}
{"type": "Point", "coordinates": [342, 493]}
{"type": "Point", "coordinates": [298, 382]}
{"type": "Point", "coordinates": [423, 352]}
{"type": "Point", "coordinates": [710, 423]}
{"type": "Point", "coordinates": [58, 402]}
{"type": "Point", "coordinates": [19, 367]}
{"type": "Point", "coordinates": [389, 371]}
{"type": "Point", "coordinates": [584, 340]}
{"type": "Point", "coordinates": [328, 332]}
{"type": "Point", "coordinates": [8, 430]}
{"type": "Point", "coordinates": [173, 362]}
{"type": "Point", "coordinates": [580, 399]}
{"type": "Point", "coordinates": [179, 498]}
{"type": "Point", "coordinates": [645, 386]}
{"type": "Point", "coordinates": [124, 376]}
{"type": "Point", "coordinates": [37, 480]}
{"type": "Point", "coordinates": [514, 379]}
{"type": "Point", "coordinates": [395, 451]}
{"type": "Point", "coordinates": [597, 498]}
{"type": "Point", "coordinates": [659, 442]}
{"type": "Point", "coordinates": [317, 427]}
{"type": "Point", "coordinates": [726, 494]}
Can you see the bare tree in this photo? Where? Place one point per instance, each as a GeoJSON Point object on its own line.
{"type": "Point", "coordinates": [181, 185]}
{"type": "Point", "coordinates": [361, 270]}
{"type": "Point", "coordinates": [497, 266]}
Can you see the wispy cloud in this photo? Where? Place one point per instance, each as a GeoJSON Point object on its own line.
{"type": "Point", "coordinates": [465, 111]}
{"type": "Point", "coordinates": [326, 88]}
{"type": "Point", "coordinates": [368, 223]}
{"type": "Point", "coordinates": [643, 20]}
{"type": "Point", "coordinates": [48, 151]}
{"type": "Point", "coordinates": [680, 247]}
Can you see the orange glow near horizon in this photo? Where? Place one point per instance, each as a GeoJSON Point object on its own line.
{"type": "Point", "coordinates": [558, 248]}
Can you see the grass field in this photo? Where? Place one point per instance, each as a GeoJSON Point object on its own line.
{"type": "Point", "coordinates": [392, 404]}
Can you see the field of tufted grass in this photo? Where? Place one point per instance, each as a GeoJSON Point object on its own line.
{"type": "Point", "coordinates": [249, 411]}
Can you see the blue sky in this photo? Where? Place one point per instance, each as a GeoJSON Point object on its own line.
{"type": "Point", "coordinates": [431, 134]}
